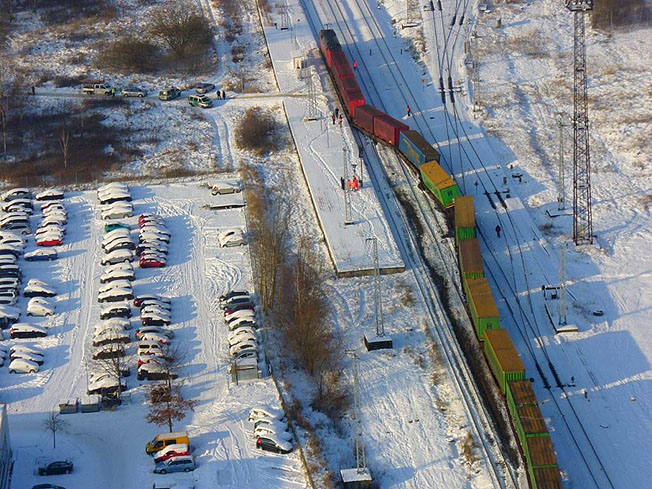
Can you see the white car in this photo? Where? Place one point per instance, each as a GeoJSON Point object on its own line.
{"type": "Point", "coordinates": [116, 233]}
{"type": "Point", "coordinates": [22, 366]}
{"type": "Point", "coordinates": [25, 348]}
{"type": "Point", "coordinates": [48, 254]}
{"type": "Point", "coordinates": [118, 323]}
{"type": "Point", "coordinates": [222, 188]}
{"type": "Point", "coordinates": [119, 267]}
{"type": "Point", "coordinates": [243, 346]}
{"type": "Point", "coordinates": [241, 313]}
{"type": "Point", "coordinates": [118, 256]}
{"type": "Point", "coordinates": [158, 338]}
{"type": "Point", "coordinates": [50, 230]}
{"type": "Point", "coordinates": [151, 309]}
{"type": "Point", "coordinates": [16, 241]}
{"type": "Point", "coordinates": [116, 284]}
{"type": "Point", "coordinates": [16, 193]}
{"type": "Point", "coordinates": [104, 384]}
{"type": "Point", "coordinates": [8, 259]}
{"type": "Point", "coordinates": [263, 411]}
{"type": "Point", "coordinates": [231, 237]}
{"type": "Point", "coordinates": [120, 244]}
{"type": "Point", "coordinates": [32, 357]}
{"type": "Point", "coordinates": [38, 290]}
{"type": "Point", "coordinates": [242, 322]}
{"type": "Point", "coordinates": [50, 194]}
{"type": "Point", "coordinates": [109, 336]}
{"type": "Point", "coordinates": [38, 306]}
{"type": "Point", "coordinates": [117, 275]}
{"type": "Point", "coordinates": [153, 236]}
{"type": "Point", "coordinates": [117, 212]}
{"type": "Point", "coordinates": [113, 186]}
{"type": "Point", "coordinates": [272, 429]}
{"type": "Point", "coordinates": [241, 334]}
{"type": "Point", "coordinates": [154, 329]}
{"type": "Point", "coordinates": [57, 219]}
{"type": "Point", "coordinates": [104, 329]}
{"type": "Point", "coordinates": [114, 196]}
{"type": "Point", "coordinates": [116, 295]}
{"type": "Point", "coordinates": [53, 206]}
{"type": "Point", "coordinates": [155, 228]}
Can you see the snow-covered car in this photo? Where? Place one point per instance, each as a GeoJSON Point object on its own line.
{"type": "Point", "coordinates": [115, 196]}
{"type": "Point", "coordinates": [110, 336]}
{"type": "Point", "coordinates": [231, 237]}
{"type": "Point", "coordinates": [116, 295]}
{"type": "Point", "coordinates": [24, 203]}
{"type": "Point", "coordinates": [246, 359]}
{"type": "Point", "coordinates": [8, 259]}
{"type": "Point", "coordinates": [152, 298]}
{"type": "Point", "coordinates": [150, 233]}
{"type": "Point", "coordinates": [25, 348]}
{"type": "Point", "coordinates": [233, 293]}
{"type": "Point", "coordinates": [50, 194]}
{"type": "Point", "coordinates": [154, 371]}
{"type": "Point", "coordinates": [24, 330]}
{"type": "Point", "coordinates": [110, 276]}
{"type": "Point", "coordinates": [36, 289]}
{"type": "Point", "coordinates": [246, 322]}
{"type": "Point", "coordinates": [103, 328]}
{"type": "Point", "coordinates": [51, 206]}
{"type": "Point", "coordinates": [243, 346]}
{"type": "Point", "coordinates": [229, 310]}
{"type": "Point", "coordinates": [223, 188]}
{"type": "Point", "coordinates": [150, 217]}
{"type": "Point", "coordinates": [115, 311]}
{"type": "Point", "coordinates": [54, 218]}
{"type": "Point", "coordinates": [263, 411]}
{"type": "Point", "coordinates": [53, 228]}
{"type": "Point", "coordinates": [16, 193]}
{"type": "Point", "coordinates": [118, 267]}
{"type": "Point", "coordinates": [273, 443]}
{"type": "Point", "coordinates": [22, 366]}
{"type": "Point", "coordinates": [108, 351]}
{"type": "Point", "coordinates": [204, 88]}
{"type": "Point", "coordinates": [32, 357]}
{"type": "Point", "coordinates": [111, 188]}
{"type": "Point", "coordinates": [7, 249]}
{"type": "Point", "coordinates": [241, 333]}
{"type": "Point", "coordinates": [118, 256]}
{"type": "Point", "coordinates": [8, 316]}
{"type": "Point", "coordinates": [159, 338]}
{"type": "Point", "coordinates": [114, 235]}
{"type": "Point", "coordinates": [240, 313]}
{"type": "Point", "coordinates": [17, 227]}
{"type": "Point", "coordinates": [154, 227]}
{"type": "Point", "coordinates": [105, 385]}
{"type": "Point", "coordinates": [272, 429]}
{"type": "Point", "coordinates": [117, 323]}
{"type": "Point", "coordinates": [154, 329]}
{"type": "Point", "coordinates": [116, 284]}
{"type": "Point", "coordinates": [8, 299]}
{"type": "Point", "coordinates": [236, 301]}
{"type": "Point", "coordinates": [50, 240]}
{"type": "Point", "coordinates": [116, 212]}
{"type": "Point", "coordinates": [151, 309]}
{"type": "Point", "coordinates": [156, 246]}
{"type": "Point", "coordinates": [16, 241]}
{"type": "Point", "coordinates": [120, 244]}
{"type": "Point", "coordinates": [39, 306]}
{"type": "Point", "coordinates": [173, 450]}
{"type": "Point", "coordinates": [42, 255]}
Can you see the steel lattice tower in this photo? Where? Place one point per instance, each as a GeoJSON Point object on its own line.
{"type": "Point", "coordinates": [582, 215]}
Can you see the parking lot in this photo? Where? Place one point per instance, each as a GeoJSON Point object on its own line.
{"type": "Point", "coordinates": [109, 446]}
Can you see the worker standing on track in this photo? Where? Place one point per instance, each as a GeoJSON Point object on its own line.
{"type": "Point", "coordinates": [409, 111]}
{"type": "Point", "coordinates": [355, 65]}
{"type": "Point", "coordinates": [498, 230]}
{"type": "Point", "coordinates": [340, 120]}
{"type": "Point", "coordinates": [333, 117]}
{"type": "Point", "coordinates": [337, 111]}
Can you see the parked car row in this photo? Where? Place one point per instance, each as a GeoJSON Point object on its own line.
{"type": "Point", "coordinates": [240, 318]}
{"type": "Point", "coordinates": [171, 453]}
{"type": "Point", "coordinates": [51, 229]}
{"type": "Point", "coordinates": [154, 338]}
{"type": "Point", "coordinates": [270, 430]}
{"type": "Point", "coordinates": [153, 241]}
{"type": "Point", "coordinates": [115, 201]}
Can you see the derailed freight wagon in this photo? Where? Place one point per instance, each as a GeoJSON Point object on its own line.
{"type": "Point", "coordinates": [440, 184]}
{"type": "Point", "coordinates": [416, 150]}
{"type": "Point", "coordinates": [502, 357]}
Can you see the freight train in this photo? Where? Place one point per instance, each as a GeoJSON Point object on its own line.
{"type": "Point", "coordinates": [500, 354]}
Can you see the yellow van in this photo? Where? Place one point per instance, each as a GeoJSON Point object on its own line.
{"type": "Point", "coordinates": [164, 439]}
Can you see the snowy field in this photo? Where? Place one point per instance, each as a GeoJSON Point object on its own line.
{"type": "Point", "coordinates": [108, 447]}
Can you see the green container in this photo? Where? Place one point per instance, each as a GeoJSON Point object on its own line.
{"type": "Point", "coordinates": [470, 258]}
{"type": "Point", "coordinates": [464, 218]}
{"type": "Point", "coordinates": [484, 312]}
{"type": "Point", "coordinates": [539, 453]}
{"type": "Point", "coordinates": [442, 186]}
{"type": "Point", "coordinates": [502, 357]}
{"type": "Point", "coordinates": [545, 478]}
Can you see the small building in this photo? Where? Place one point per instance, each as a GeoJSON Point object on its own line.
{"type": "Point", "coordinates": [356, 478]}
{"type": "Point", "coordinates": [68, 406]}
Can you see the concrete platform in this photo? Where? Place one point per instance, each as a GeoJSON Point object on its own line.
{"type": "Point", "coordinates": [320, 146]}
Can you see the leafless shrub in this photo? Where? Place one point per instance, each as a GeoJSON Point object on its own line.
{"type": "Point", "coordinates": [468, 449]}
{"type": "Point", "coordinates": [61, 12]}
{"type": "Point", "coordinates": [128, 54]}
{"type": "Point", "coordinates": [178, 173]}
{"type": "Point", "coordinates": [529, 42]}
{"type": "Point", "coordinates": [12, 96]}
{"type": "Point", "coordinates": [257, 132]}
{"type": "Point", "coordinates": [62, 81]}
{"type": "Point", "coordinates": [167, 404]}
{"type": "Point", "coordinates": [182, 27]}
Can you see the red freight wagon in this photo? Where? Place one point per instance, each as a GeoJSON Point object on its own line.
{"type": "Point", "coordinates": [364, 117]}
{"type": "Point", "coordinates": [352, 98]}
{"type": "Point", "coordinates": [388, 129]}
{"type": "Point", "coordinates": [341, 68]}
{"type": "Point", "coordinates": [347, 84]}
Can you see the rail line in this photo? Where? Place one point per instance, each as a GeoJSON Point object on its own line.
{"type": "Point", "coordinates": [454, 358]}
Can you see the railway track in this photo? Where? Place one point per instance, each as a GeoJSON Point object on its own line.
{"type": "Point", "coordinates": [453, 356]}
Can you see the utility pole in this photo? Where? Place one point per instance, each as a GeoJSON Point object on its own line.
{"type": "Point", "coordinates": [380, 323]}
{"type": "Point", "coordinates": [561, 197]}
{"type": "Point", "coordinates": [347, 196]}
{"type": "Point", "coordinates": [312, 98]}
{"type": "Point", "coordinates": [360, 456]}
{"type": "Point", "coordinates": [561, 305]}
{"type": "Point", "coordinates": [582, 213]}
{"type": "Point", "coordinates": [476, 72]}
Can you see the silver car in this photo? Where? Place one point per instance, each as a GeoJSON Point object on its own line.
{"type": "Point", "coordinates": [134, 92]}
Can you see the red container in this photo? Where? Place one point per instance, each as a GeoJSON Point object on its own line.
{"type": "Point", "coordinates": [388, 129]}
{"type": "Point", "coordinates": [364, 117]}
{"type": "Point", "coordinates": [352, 99]}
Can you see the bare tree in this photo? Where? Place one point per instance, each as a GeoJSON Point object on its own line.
{"type": "Point", "coordinates": [115, 366]}
{"type": "Point", "coordinates": [184, 29]}
{"type": "Point", "coordinates": [11, 96]}
{"type": "Point", "coordinates": [167, 404]}
{"type": "Point", "coordinates": [64, 144]}
{"type": "Point", "coordinates": [269, 240]}
{"type": "Point", "coordinates": [54, 422]}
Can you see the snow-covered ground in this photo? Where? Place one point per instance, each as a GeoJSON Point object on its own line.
{"type": "Point", "coordinates": [109, 446]}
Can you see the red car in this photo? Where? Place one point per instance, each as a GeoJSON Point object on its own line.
{"type": "Point", "coordinates": [49, 241]}
{"type": "Point", "coordinates": [145, 218]}
{"type": "Point", "coordinates": [150, 262]}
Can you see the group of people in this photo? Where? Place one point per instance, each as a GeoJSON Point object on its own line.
{"type": "Point", "coordinates": [336, 116]}
{"type": "Point", "coordinates": [221, 95]}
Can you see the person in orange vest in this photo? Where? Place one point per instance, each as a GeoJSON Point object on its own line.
{"type": "Point", "coordinates": [340, 120]}
{"type": "Point", "coordinates": [409, 111]}
{"type": "Point", "coordinates": [355, 65]}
